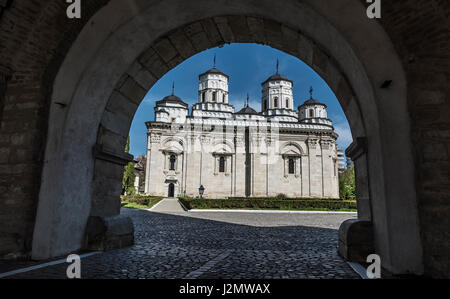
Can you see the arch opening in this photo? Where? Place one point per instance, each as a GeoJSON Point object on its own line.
{"type": "Point", "coordinates": [108, 105]}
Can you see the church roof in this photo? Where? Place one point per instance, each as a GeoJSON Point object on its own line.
{"type": "Point", "coordinates": [172, 99]}
{"type": "Point", "coordinates": [214, 70]}
{"type": "Point", "coordinates": [311, 102]}
{"type": "Point", "coordinates": [247, 110]}
{"type": "Point", "coordinates": [277, 77]}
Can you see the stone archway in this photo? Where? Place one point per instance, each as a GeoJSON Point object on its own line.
{"type": "Point", "coordinates": [139, 44]}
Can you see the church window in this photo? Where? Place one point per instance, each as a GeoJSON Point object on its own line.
{"type": "Point", "coordinates": [173, 161]}
{"type": "Point", "coordinates": [291, 166]}
{"type": "Point", "coordinates": [203, 97]}
{"type": "Point", "coordinates": [287, 103]}
{"type": "Point", "coordinates": [311, 113]}
{"type": "Point", "coordinates": [214, 96]}
{"type": "Point", "coordinates": [222, 164]}
{"type": "Point", "coordinates": [275, 102]}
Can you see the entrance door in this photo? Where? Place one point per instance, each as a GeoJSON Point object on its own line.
{"type": "Point", "coordinates": [171, 190]}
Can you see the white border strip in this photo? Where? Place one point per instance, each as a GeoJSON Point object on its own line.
{"type": "Point", "coordinates": [358, 268]}
{"type": "Point", "coordinates": [269, 211]}
{"type": "Point", "coordinates": [155, 205]}
{"type": "Point", "coordinates": [61, 261]}
{"type": "Point", "coordinates": [183, 206]}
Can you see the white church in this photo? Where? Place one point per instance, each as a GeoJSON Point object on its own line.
{"type": "Point", "coordinates": [226, 154]}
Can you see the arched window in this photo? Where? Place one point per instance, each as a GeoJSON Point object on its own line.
{"type": "Point", "coordinates": [214, 96]}
{"type": "Point", "coordinates": [291, 166]}
{"type": "Point", "coordinates": [203, 97]}
{"type": "Point", "coordinates": [311, 113]}
{"type": "Point", "coordinates": [222, 164]}
{"type": "Point", "coordinates": [287, 103]}
{"type": "Point", "coordinates": [275, 102]}
{"type": "Point", "coordinates": [173, 161]}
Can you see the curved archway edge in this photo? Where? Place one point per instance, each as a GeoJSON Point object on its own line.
{"type": "Point", "coordinates": [131, 47]}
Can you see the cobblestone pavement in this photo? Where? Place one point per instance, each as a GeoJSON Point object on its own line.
{"type": "Point", "coordinates": [219, 245]}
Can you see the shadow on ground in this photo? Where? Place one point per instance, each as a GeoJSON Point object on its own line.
{"type": "Point", "coordinates": [196, 246]}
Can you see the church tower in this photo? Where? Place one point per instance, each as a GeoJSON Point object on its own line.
{"type": "Point", "coordinates": [314, 112]}
{"type": "Point", "coordinates": [213, 93]}
{"type": "Point", "coordinates": [171, 109]}
{"type": "Point", "coordinates": [278, 99]}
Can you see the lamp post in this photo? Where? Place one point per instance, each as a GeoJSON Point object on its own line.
{"type": "Point", "coordinates": [201, 190]}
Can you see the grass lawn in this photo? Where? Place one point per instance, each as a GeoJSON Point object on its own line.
{"type": "Point", "coordinates": [140, 202]}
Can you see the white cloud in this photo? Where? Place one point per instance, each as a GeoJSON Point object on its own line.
{"type": "Point", "coordinates": [345, 135]}
{"type": "Point", "coordinates": [150, 99]}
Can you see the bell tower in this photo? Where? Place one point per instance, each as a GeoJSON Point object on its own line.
{"type": "Point", "coordinates": [277, 98]}
{"type": "Point", "coordinates": [313, 111]}
{"type": "Point", "coordinates": [213, 86]}
{"type": "Point", "coordinates": [213, 93]}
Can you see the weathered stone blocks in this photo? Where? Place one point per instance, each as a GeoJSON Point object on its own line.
{"type": "Point", "coordinates": [107, 233]}
{"type": "Point", "coordinates": [356, 240]}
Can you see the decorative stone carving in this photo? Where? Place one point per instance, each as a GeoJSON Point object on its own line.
{"type": "Point", "coordinates": [325, 144]}
{"type": "Point", "coordinates": [205, 139]}
{"type": "Point", "coordinates": [257, 140]}
{"type": "Point", "coordinates": [155, 138]}
{"type": "Point", "coordinates": [239, 141]}
{"type": "Point", "coordinates": [312, 143]}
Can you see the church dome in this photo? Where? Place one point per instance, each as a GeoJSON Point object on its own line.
{"type": "Point", "coordinates": [247, 110]}
{"type": "Point", "coordinates": [172, 99]}
{"type": "Point", "coordinates": [312, 102]}
{"type": "Point", "coordinates": [215, 71]}
{"type": "Point", "coordinates": [277, 77]}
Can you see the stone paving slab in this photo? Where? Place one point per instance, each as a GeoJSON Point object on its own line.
{"type": "Point", "coordinates": [168, 205]}
{"type": "Point", "coordinates": [219, 245]}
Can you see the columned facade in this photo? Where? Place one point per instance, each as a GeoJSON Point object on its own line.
{"type": "Point", "coordinates": [240, 154]}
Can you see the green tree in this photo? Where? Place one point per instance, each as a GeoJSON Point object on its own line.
{"type": "Point", "coordinates": [347, 186]}
{"type": "Point", "coordinates": [128, 174]}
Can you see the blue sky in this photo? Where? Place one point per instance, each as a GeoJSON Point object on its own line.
{"type": "Point", "coordinates": [248, 65]}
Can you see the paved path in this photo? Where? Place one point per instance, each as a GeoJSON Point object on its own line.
{"type": "Point", "coordinates": [219, 245]}
{"type": "Point", "coordinates": [168, 205]}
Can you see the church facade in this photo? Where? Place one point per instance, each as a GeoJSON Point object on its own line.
{"type": "Point", "coordinates": [245, 153]}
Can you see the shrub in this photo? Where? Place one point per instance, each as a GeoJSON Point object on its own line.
{"type": "Point", "coordinates": [281, 196]}
{"type": "Point", "coordinates": [142, 200]}
{"type": "Point", "coordinates": [269, 203]}
{"type": "Point", "coordinates": [347, 187]}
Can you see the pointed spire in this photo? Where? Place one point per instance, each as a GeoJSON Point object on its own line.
{"type": "Point", "coordinates": [214, 60]}
{"type": "Point", "coordinates": [311, 92]}
{"type": "Point", "coordinates": [248, 98]}
{"type": "Point", "coordinates": [278, 65]}
{"type": "Point", "coordinates": [173, 87]}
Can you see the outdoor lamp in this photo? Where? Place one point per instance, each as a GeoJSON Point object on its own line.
{"type": "Point", "coordinates": [201, 190]}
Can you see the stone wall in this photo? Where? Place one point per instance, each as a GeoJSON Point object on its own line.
{"type": "Point", "coordinates": [36, 36]}
{"type": "Point", "coordinates": [420, 30]}
{"type": "Point", "coordinates": [197, 163]}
